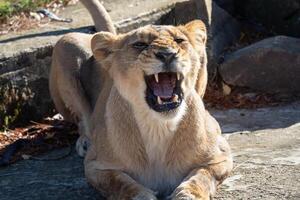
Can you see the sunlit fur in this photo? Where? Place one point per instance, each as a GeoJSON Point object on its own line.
{"type": "Point", "coordinates": [136, 152]}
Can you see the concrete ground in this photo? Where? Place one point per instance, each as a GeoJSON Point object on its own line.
{"type": "Point", "coordinates": [266, 148]}
{"type": "Point", "coordinates": [265, 143]}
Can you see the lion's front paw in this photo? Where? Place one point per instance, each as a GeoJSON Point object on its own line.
{"type": "Point", "coordinates": [82, 145]}
{"type": "Point", "coordinates": [190, 194]}
{"type": "Point", "coordinates": [186, 197]}
{"type": "Point", "coordinates": [144, 195]}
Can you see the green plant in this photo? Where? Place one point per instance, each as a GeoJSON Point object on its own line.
{"type": "Point", "coordinates": [12, 100]}
{"type": "Point", "coordinates": [5, 9]}
{"type": "Point", "coordinates": [9, 8]}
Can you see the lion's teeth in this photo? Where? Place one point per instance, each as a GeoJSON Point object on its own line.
{"type": "Point", "coordinates": [156, 77]}
{"type": "Point", "coordinates": [159, 100]}
{"type": "Point", "coordinates": [175, 98]}
{"type": "Point", "coordinates": [178, 76]}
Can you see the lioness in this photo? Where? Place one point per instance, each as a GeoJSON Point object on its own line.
{"type": "Point", "coordinates": [137, 98]}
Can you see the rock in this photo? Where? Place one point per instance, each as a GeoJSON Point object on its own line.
{"type": "Point", "coordinates": [223, 29]}
{"type": "Point", "coordinates": [281, 17]}
{"type": "Point", "coordinates": [227, 5]}
{"type": "Point", "coordinates": [271, 65]}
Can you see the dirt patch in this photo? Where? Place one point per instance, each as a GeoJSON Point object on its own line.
{"type": "Point", "coordinates": [35, 139]}
{"type": "Point", "coordinates": [228, 97]}
{"type": "Point", "coordinates": [28, 18]}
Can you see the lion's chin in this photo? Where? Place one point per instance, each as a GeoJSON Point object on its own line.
{"type": "Point", "coordinates": [164, 93]}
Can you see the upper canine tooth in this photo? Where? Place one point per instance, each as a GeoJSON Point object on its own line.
{"type": "Point", "coordinates": [159, 100]}
{"type": "Point", "coordinates": [156, 77]}
{"type": "Point", "coordinates": [178, 76]}
{"type": "Point", "coordinates": [175, 98]}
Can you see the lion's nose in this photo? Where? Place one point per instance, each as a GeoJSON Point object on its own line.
{"type": "Point", "coordinates": [165, 57]}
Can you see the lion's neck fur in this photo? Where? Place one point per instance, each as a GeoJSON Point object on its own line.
{"type": "Point", "coordinates": [157, 134]}
{"type": "Point", "coordinates": [147, 135]}
{"type": "Point", "coordinates": [156, 131]}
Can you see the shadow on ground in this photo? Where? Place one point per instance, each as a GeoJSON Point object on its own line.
{"type": "Point", "coordinates": [241, 120]}
{"type": "Point", "coordinates": [86, 29]}
{"type": "Point", "coordinates": [35, 180]}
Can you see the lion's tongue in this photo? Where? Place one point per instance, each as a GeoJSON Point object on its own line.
{"type": "Point", "coordinates": [165, 87]}
{"type": "Point", "coordinates": [163, 91]}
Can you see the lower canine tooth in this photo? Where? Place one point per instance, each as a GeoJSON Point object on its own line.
{"type": "Point", "coordinates": [178, 76]}
{"type": "Point", "coordinates": [175, 98]}
{"type": "Point", "coordinates": [156, 78]}
{"type": "Point", "coordinates": [159, 100]}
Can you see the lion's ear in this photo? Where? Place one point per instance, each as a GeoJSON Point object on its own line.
{"type": "Point", "coordinates": [197, 33]}
{"type": "Point", "coordinates": [102, 45]}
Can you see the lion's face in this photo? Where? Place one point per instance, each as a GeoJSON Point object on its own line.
{"type": "Point", "coordinates": [154, 66]}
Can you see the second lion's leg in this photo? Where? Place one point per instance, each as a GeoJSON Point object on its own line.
{"type": "Point", "coordinates": [66, 89]}
{"type": "Point", "coordinates": [74, 99]}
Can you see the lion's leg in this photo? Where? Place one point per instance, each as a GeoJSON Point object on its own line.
{"type": "Point", "coordinates": [115, 184]}
{"type": "Point", "coordinates": [66, 89]}
{"type": "Point", "coordinates": [201, 183]}
{"type": "Point", "coordinates": [58, 102]}
{"type": "Point", "coordinates": [73, 97]}
{"type": "Point", "coordinates": [68, 97]}
{"type": "Point", "coordinates": [211, 124]}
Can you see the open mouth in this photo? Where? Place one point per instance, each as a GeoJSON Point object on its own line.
{"type": "Point", "coordinates": [164, 91]}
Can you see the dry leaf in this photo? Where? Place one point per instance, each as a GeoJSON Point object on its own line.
{"type": "Point", "coordinates": [26, 157]}
{"type": "Point", "coordinates": [226, 89]}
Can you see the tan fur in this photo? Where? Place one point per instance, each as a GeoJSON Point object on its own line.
{"type": "Point", "coordinates": [136, 152]}
{"type": "Point", "coordinates": [101, 18]}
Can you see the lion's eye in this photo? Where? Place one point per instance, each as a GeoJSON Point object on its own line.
{"type": "Point", "coordinates": [140, 45]}
{"type": "Point", "coordinates": [179, 40]}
